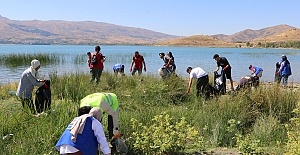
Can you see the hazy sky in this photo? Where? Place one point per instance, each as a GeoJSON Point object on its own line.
{"type": "Point", "coordinates": [176, 17]}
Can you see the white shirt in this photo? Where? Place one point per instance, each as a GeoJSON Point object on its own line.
{"type": "Point", "coordinates": [197, 73]}
{"type": "Point", "coordinates": [98, 132]}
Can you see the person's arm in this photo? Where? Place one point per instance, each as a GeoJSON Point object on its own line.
{"type": "Point", "coordinates": [217, 69]}
{"type": "Point", "coordinates": [34, 81]}
{"type": "Point", "coordinates": [107, 109]}
{"type": "Point", "coordinates": [130, 68]}
{"type": "Point", "coordinates": [189, 86]}
{"type": "Point", "coordinates": [99, 134]}
{"type": "Point", "coordinates": [144, 65]}
{"type": "Point", "coordinates": [226, 67]}
{"type": "Point", "coordinates": [253, 70]}
{"type": "Point", "coordinates": [226, 62]}
{"type": "Point", "coordinates": [102, 58]}
{"type": "Point", "coordinates": [281, 67]}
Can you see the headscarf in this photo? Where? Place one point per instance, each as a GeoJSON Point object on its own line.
{"type": "Point", "coordinates": [79, 123]}
{"type": "Point", "coordinates": [34, 64]}
{"type": "Point", "coordinates": [96, 113]}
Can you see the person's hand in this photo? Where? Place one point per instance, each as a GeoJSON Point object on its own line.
{"type": "Point", "coordinates": [188, 91]}
{"type": "Point", "coordinates": [277, 73]}
{"type": "Point", "coordinates": [145, 69]}
{"type": "Point", "coordinates": [224, 68]}
{"type": "Point", "coordinates": [45, 86]}
{"type": "Point", "coordinates": [167, 65]}
{"type": "Point", "coordinates": [130, 69]}
{"type": "Point", "coordinates": [215, 72]}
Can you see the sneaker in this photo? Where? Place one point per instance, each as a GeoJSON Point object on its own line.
{"type": "Point", "coordinates": [232, 89]}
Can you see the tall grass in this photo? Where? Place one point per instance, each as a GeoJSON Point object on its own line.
{"type": "Point", "coordinates": [142, 97]}
{"type": "Point", "coordinates": [14, 60]}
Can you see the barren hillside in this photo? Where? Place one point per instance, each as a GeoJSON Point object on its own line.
{"type": "Point", "coordinates": [197, 40]}
{"type": "Point", "coordinates": [67, 32]}
{"type": "Point", "coordinates": [290, 35]}
{"type": "Point", "coordinates": [249, 35]}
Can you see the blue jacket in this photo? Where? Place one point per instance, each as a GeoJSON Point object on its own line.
{"type": "Point", "coordinates": [86, 142]}
{"type": "Point", "coordinates": [117, 66]}
{"type": "Point", "coordinates": [285, 68]}
{"type": "Point", "coordinates": [257, 69]}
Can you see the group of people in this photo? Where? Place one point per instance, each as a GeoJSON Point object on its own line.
{"type": "Point", "coordinates": [85, 132]}
{"type": "Point", "coordinates": [96, 59]}
{"type": "Point", "coordinates": [283, 71]}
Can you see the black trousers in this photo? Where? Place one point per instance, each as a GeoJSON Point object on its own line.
{"type": "Point", "coordinates": [202, 86]}
{"type": "Point", "coordinates": [110, 128]}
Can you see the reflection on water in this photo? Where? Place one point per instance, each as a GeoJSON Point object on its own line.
{"type": "Point", "coordinates": [74, 59]}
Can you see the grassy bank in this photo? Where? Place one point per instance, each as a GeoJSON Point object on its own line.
{"type": "Point", "coordinates": [252, 119]}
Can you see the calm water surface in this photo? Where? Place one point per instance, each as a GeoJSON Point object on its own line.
{"type": "Point", "coordinates": [239, 59]}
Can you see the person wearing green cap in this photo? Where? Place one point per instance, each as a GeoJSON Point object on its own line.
{"type": "Point", "coordinates": [108, 103]}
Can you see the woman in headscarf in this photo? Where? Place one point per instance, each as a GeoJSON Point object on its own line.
{"type": "Point", "coordinates": [83, 134]}
{"type": "Point", "coordinates": [29, 79]}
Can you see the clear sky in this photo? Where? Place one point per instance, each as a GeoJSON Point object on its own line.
{"type": "Point", "coordinates": [176, 17]}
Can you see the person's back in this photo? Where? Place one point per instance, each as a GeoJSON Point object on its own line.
{"type": "Point", "coordinates": [83, 134]}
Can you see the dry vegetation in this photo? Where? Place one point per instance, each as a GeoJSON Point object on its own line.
{"type": "Point", "coordinates": [198, 40]}
{"type": "Point", "coordinates": [290, 35]}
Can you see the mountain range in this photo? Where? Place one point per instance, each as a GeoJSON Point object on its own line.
{"type": "Point", "coordinates": [91, 33]}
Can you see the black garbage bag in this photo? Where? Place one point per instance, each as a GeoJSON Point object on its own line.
{"type": "Point", "coordinates": [43, 98]}
{"type": "Point", "coordinates": [220, 83]}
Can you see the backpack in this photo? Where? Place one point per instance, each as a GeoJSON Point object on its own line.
{"type": "Point", "coordinates": [94, 60]}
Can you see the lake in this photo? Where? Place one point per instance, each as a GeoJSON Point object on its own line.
{"type": "Point", "coordinates": [239, 58]}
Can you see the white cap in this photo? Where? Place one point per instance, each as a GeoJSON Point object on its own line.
{"type": "Point", "coordinates": [35, 63]}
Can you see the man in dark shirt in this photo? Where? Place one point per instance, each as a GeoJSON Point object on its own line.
{"type": "Point", "coordinates": [226, 68]}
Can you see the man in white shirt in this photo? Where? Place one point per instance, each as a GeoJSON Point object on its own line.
{"type": "Point", "coordinates": [202, 82]}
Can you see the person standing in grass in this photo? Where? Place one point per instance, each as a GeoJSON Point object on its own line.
{"type": "Point", "coordinates": [108, 103]}
{"type": "Point", "coordinates": [83, 134]}
{"type": "Point", "coordinates": [256, 71]}
{"type": "Point", "coordinates": [202, 81]}
{"type": "Point", "coordinates": [29, 79]}
{"type": "Point", "coordinates": [171, 62]}
{"type": "Point", "coordinates": [96, 64]}
{"type": "Point", "coordinates": [285, 70]}
{"type": "Point", "coordinates": [139, 63]}
{"type": "Point", "coordinates": [277, 76]}
{"type": "Point", "coordinates": [223, 62]}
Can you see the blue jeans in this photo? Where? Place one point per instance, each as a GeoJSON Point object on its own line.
{"type": "Point", "coordinates": [285, 80]}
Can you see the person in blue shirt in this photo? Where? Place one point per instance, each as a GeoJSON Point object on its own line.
{"type": "Point", "coordinates": [285, 70]}
{"type": "Point", "coordinates": [119, 68]}
{"type": "Point", "coordinates": [82, 135]}
{"type": "Point", "coordinates": [256, 71]}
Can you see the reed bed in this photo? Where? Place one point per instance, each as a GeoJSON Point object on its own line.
{"type": "Point", "coordinates": [14, 60]}
{"type": "Point", "coordinates": [261, 113]}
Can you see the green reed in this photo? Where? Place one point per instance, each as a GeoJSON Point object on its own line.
{"type": "Point", "coordinates": [25, 59]}
{"type": "Point", "coordinates": [142, 97]}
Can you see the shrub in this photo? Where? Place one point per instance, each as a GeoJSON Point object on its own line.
{"type": "Point", "coordinates": [248, 145]}
{"type": "Point", "coordinates": [293, 145]}
{"type": "Point", "coordinates": [165, 136]}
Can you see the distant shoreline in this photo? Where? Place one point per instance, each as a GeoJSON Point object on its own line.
{"type": "Point", "coordinates": [154, 46]}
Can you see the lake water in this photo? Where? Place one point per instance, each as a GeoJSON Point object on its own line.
{"type": "Point", "coordinates": [239, 58]}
